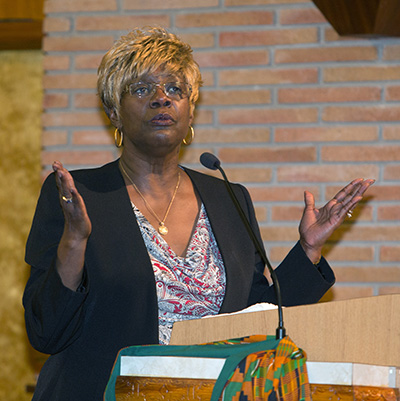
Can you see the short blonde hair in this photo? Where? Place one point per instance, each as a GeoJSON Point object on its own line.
{"type": "Point", "coordinates": [140, 52]}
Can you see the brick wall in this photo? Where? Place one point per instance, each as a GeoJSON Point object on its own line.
{"type": "Point", "coordinates": [287, 105]}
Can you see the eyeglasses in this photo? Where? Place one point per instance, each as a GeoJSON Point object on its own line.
{"type": "Point", "coordinates": [174, 90]}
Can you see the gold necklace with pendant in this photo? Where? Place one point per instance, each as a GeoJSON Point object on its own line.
{"type": "Point", "coordinates": [162, 228]}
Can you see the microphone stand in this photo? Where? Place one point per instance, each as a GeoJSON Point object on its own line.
{"type": "Point", "coordinates": [280, 331]}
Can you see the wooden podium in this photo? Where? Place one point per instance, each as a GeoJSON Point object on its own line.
{"type": "Point", "coordinates": [362, 330]}
{"type": "Point", "coordinates": [358, 331]}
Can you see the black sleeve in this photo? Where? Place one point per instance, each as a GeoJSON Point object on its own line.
{"type": "Point", "coordinates": [53, 313]}
{"type": "Point", "coordinates": [300, 281]}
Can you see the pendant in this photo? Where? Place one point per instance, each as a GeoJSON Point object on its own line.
{"type": "Point", "coordinates": [162, 229]}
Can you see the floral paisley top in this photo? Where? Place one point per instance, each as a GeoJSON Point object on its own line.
{"type": "Point", "coordinates": [187, 287]}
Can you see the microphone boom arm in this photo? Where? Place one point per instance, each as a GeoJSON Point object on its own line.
{"type": "Point", "coordinates": [280, 331]}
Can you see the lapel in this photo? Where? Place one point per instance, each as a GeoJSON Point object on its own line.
{"type": "Point", "coordinates": [233, 240]}
{"type": "Point", "coordinates": [117, 241]}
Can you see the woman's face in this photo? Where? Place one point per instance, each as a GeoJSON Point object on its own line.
{"type": "Point", "coordinates": [154, 124]}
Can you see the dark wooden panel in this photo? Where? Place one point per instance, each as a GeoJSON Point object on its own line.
{"type": "Point", "coordinates": [362, 17]}
{"type": "Point", "coordinates": [20, 35]}
{"type": "Point", "coordinates": [21, 24]}
{"type": "Point", "coordinates": [21, 9]}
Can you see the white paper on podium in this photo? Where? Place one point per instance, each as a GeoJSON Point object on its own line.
{"type": "Point", "coordinates": [171, 366]}
{"type": "Point", "coordinates": [253, 308]}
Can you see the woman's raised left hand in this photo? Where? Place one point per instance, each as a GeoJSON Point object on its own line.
{"type": "Point", "coordinates": [317, 225]}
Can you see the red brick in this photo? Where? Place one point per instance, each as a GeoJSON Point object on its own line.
{"type": "Point", "coordinates": [327, 134]}
{"type": "Point", "coordinates": [360, 153]}
{"type": "Point", "coordinates": [231, 135]}
{"type": "Point", "coordinates": [249, 174]}
{"type": "Point", "coordinates": [367, 274]}
{"type": "Point", "coordinates": [360, 74]}
{"type": "Point", "coordinates": [61, 6]}
{"type": "Point", "coordinates": [268, 116]}
{"type": "Point", "coordinates": [71, 81]}
{"type": "Point", "coordinates": [56, 63]}
{"type": "Point", "coordinates": [391, 173]}
{"type": "Point", "coordinates": [301, 16]}
{"type": "Point", "coordinates": [386, 290]}
{"type": "Point", "coordinates": [54, 137]}
{"type": "Point", "coordinates": [70, 119]}
{"type": "Point", "coordinates": [391, 133]}
{"type": "Point", "coordinates": [277, 253]}
{"type": "Point", "coordinates": [393, 93]}
{"type": "Point", "coordinates": [235, 97]}
{"type": "Point", "coordinates": [268, 76]}
{"type": "Point", "coordinates": [331, 35]}
{"type": "Point", "coordinates": [93, 137]}
{"type": "Point", "coordinates": [199, 40]}
{"type": "Point", "coordinates": [364, 212]}
{"type": "Point", "coordinates": [55, 24]}
{"type": "Point", "coordinates": [268, 154]}
{"type": "Point", "coordinates": [329, 94]}
{"type": "Point", "coordinates": [376, 192]}
{"type": "Point", "coordinates": [326, 173]}
{"type": "Point", "coordinates": [268, 38]}
{"type": "Point", "coordinates": [86, 100]}
{"type": "Point", "coordinates": [77, 43]}
{"type": "Point", "coordinates": [77, 157]}
{"type": "Point", "coordinates": [389, 213]}
{"type": "Point", "coordinates": [119, 22]}
{"type": "Point", "coordinates": [167, 5]}
{"type": "Point", "coordinates": [224, 19]}
{"type": "Point", "coordinates": [328, 54]}
{"type": "Point", "coordinates": [281, 193]}
{"type": "Point", "coordinates": [261, 214]}
{"type": "Point", "coordinates": [280, 233]}
{"type": "Point", "coordinates": [337, 254]}
{"type": "Point", "coordinates": [88, 61]}
{"type": "Point", "coordinates": [204, 116]}
{"type": "Point", "coordinates": [362, 113]}
{"type": "Point", "coordinates": [55, 100]}
{"type": "Point", "coordinates": [286, 213]}
{"type": "Point", "coordinates": [208, 78]}
{"type": "Point", "coordinates": [191, 155]}
{"type": "Point", "coordinates": [366, 233]}
{"type": "Point", "coordinates": [390, 254]}
{"type": "Point", "coordinates": [229, 59]}
{"type": "Point", "coordinates": [391, 53]}
{"type": "Point", "coordinates": [340, 253]}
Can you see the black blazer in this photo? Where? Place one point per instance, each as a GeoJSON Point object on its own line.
{"type": "Point", "coordinates": [117, 305]}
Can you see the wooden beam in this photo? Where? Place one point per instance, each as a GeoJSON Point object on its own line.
{"type": "Point", "coordinates": [21, 24]}
{"type": "Point", "coordinates": [362, 17]}
{"type": "Point", "coordinates": [21, 35]}
{"type": "Point", "coordinates": [21, 9]}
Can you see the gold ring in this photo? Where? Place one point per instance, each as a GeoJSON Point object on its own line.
{"type": "Point", "coordinates": [67, 200]}
{"type": "Point", "coordinates": [350, 214]}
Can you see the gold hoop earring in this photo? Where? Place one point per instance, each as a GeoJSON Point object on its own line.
{"type": "Point", "coordinates": [187, 141]}
{"type": "Point", "coordinates": [118, 138]}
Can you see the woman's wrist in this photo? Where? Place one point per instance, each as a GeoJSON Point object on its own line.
{"type": "Point", "coordinates": [313, 254]}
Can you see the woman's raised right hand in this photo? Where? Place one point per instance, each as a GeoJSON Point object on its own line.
{"type": "Point", "coordinates": [77, 228]}
{"type": "Point", "coordinates": [77, 222]}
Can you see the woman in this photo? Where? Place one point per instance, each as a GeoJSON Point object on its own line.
{"type": "Point", "coordinates": [119, 253]}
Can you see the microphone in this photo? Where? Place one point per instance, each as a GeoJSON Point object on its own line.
{"type": "Point", "coordinates": [213, 163]}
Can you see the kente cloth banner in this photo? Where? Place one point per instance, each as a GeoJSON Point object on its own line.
{"type": "Point", "coordinates": [256, 368]}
